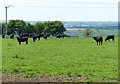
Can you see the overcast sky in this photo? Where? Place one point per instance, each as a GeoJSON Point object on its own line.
{"type": "Point", "coordinates": [63, 10]}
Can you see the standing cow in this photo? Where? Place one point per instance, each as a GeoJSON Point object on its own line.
{"type": "Point", "coordinates": [110, 37]}
{"type": "Point", "coordinates": [3, 36]}
{"type": "Point", "coordinates": [98, 39]}
{"type": "Point", "coordinates": [22, 39]}
{"type": "Point", "coordinates": [35, 37]}
{"type": "Point", "coordinates": [12, 36]}
{"type": "Point", "coordinates": [60, 35]}
{"type": "Point", "coordinates": [46, 36]}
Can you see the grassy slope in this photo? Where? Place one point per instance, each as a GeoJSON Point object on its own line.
{"type": "Point", "coordinates": [68, 56]}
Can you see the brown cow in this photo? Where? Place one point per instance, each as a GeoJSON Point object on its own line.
{"type": "Point", "coordinates": [22, 39]}
{"type": "Point", "coordinates": [109, 37]}
{"type": "Point", "coordinates": [98, 39]}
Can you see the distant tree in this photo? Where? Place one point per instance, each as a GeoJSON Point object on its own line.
{"type": "Point", "coordinates": [39, 27]}
{"type": "Point", "coordinates": [20, 25]}
{"type": "Point", "coordinates": [11, 26]}
{"type": "Point", "coordinates": [53, 27]}
{"type": "Point", "coordinates": [58, 28]}
{"type": "Point", "coordinates": [16, 25]}
{"type": "Point", "coordinates": [29, 28]}
{"type": "Point", "coordinates": [87, 32]}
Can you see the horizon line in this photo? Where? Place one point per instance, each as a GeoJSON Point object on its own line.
{"type": "Point", "coordinates": [69, 20]}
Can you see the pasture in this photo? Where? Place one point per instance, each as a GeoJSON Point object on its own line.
{"type": "Point", "coordinates": [69, 56]}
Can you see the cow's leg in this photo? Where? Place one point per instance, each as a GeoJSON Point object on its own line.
{"type": "Point", "coordinates": [39, 38]}
{"type": "Point", "coordinates": [97, 43]}
{"type": "Point", "coordinates": [27, 42]}
{"type": "Point", "coordinates": [113, 39]}
{"type": "Point", "coordinates": [19, 43]}
{"type": "Point", "coordinates": [34, 39]}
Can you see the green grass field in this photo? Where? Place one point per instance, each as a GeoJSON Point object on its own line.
{"type": "Point", "coordinates": [62, 57]}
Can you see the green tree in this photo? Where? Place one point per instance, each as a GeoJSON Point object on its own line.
{"type": "Point", "coordinates": [39, 27]}
{"type": "Point", "coordinates": [16, 25]}
{"type": "Point", "coordinates": [47, 26]}
{"type": "Point", "coordinates": [11, 26]}
{"type": "Point", "coordinates": [59, 27]}
{"type": "Point", "coordinates": [53, 27]}
{"type": "Point", "coordinates": [20, 25]}
{"type": "Point", "coordinates": [29, 28]}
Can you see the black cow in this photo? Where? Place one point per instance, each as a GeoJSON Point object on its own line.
{"type": "Point", "coordinates": [42, 35]}
{"type": "Point", "coordinates": [3, 36]}
{"type": "Point", "coordinates": [24, 35]}
{"type": "Point", "coordinates": [110, 37]}
{"type": "Point", "coordinates": [22, 39]}
{"type": "Point", "coordinates": [30, 35]}
{"type": "Point", "coordinates": [35, 37]}
{"type": "Point", "coordinates": [60, 35]}
{"type": "Point", "coordinates": [12, 36]}
{"type": "Point", "coordinates": [98, 39]}
{"type": "Point", "coordinates": [46, 36]}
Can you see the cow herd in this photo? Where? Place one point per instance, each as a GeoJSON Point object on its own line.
{"type": "Point", "coordinates": [24, 37]}
{"type": "Point", "coordinates": [99, 39]}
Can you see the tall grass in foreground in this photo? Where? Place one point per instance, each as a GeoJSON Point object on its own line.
{"type": "Point", "coordinates": [61, 57]}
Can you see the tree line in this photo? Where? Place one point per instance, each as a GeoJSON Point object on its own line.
{"type": "Point", "coordinates": [20, 27]}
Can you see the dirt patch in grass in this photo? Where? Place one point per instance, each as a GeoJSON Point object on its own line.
{"type": "Point", "coordinates": [17, 77]}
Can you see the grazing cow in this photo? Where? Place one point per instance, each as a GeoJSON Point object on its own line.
{"type": "Point", "coordinates": [46, 36]}
{"type": "Point", "coordinates": [30, 35]}
{"type": "Point", "coordinates": [22, 39]}
{"type": "Point", "coordinates": [109, 37]}
{"type": "Point", "coordinates": [98, 39]}
{"type": "Point", "coordinates": [12, 36]}
{"type": "Point", "coordinates": [3, 36]}
{"type": "Point", "coordinates": [60, 35]}
{"type": "Point", "coordinates": [35, 37]}
{"type": "Point", "coordinates": [41, 35]}
{"type": "Point", "coordinates": [38, 36]}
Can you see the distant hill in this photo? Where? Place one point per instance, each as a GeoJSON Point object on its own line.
{"type": "Point", "coordinates": [83, 24]}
